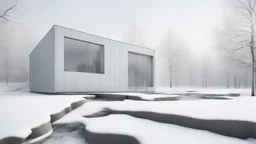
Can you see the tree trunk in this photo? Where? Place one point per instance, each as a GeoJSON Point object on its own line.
{"type": "Point", "coordinates": [245, 78]}
{"type": "Point", "coordinates": [228, 81]}
{"type": "Point", "coordinates": [253, 79]}
{"type": "Point", "coordinates": [254, 74]}
{"type": "Point", "coordinates": [6, 72]}
{"type": "Point", "coordinates": [253, 63]}
{"type": "Point", "coordinates": [235, 83]}
{"type": "Point", "coordinates": [253, 58]}
{"type": "Point", "coordinates": [170, 80]}
{"type": "Point", "coordinates": [239, 82]}
{"type": "Point", "coordinates": [6, 66]}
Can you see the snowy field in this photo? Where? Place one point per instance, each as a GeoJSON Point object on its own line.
{"type": "Point", "coordinates": [210, 90]}
{"type": "Point", "coordinates": [143, 129]}
{"type": "Point", "coordinates": [19, 114]}
{"type": "Point", "coordinates": [149, 132]}
{"type": "Point", "coordinates": [241, 108]}
{"type": "Point", "coordinates": [143, 96]}
{"type": "Point", "coordinates": [21, 111]}
{"type": "Point", "coordinates": [146, 131]}
{"type": "Point", "coordinates": [11, 87]}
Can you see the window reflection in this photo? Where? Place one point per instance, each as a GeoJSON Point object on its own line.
{"type": "Point", "coordinates": [81, 56]}
{"type": "Point", "coordinates": [139, 71]}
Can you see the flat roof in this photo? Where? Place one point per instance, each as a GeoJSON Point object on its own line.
{"type": "Point", "coordinates": [92, 35]}
{"type": "Point", "coordinates": [105, 37]}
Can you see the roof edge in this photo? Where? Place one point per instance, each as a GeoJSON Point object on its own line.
{"type": "Point", "coordinates": [41, 40]}
{"type": "Point", "coordinates": [104, 37]}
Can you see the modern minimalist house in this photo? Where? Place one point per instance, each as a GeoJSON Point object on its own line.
{"type": "Point", "coordinates": [67, 60]}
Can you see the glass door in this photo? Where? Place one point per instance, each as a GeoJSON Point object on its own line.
{"type": "Point", "coordinates": [139, 72]}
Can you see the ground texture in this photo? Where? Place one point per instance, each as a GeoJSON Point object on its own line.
{"type": "Point", "coordinates": [202, 116]}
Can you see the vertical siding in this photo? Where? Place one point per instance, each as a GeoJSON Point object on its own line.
{"type": "Point", "coordinates": [111, 65]}
{"type": "Point", "coordinates": [70, 81]}
{"type": "Point", "coordinates": [125, 68]}
{"type": "Point", "coordinates": [80, 82]}
{"type": "Point", "coordinates": [106, 79]}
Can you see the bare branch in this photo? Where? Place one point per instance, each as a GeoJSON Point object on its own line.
{"type": "Point", "coordinates": [5, 13]}
{"type": "Point", "coordinates": [244, 25]}
{"type": "Point", "coordinates": [237, 36]}
{"type": "Point", "coordinates": [243, 46]}
{"type": "Point", "coordinates": [5, 18]}
{"type": "Point", "coordinates": [245, 31]}
{"type": "Point", "coordinates": [245, 66]}
{"type": "Point", "coordinates": [241, 61]}
{"type": "Point", "coordinates": [9, 9]}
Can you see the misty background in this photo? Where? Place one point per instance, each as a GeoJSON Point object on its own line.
{"type": "Point", "coordinates": [190, 37]}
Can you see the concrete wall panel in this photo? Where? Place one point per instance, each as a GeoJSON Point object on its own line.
{"type": "Point", "coordinates": [42, 66]}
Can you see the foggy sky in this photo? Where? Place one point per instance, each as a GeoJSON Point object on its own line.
{"type": "Point", "coordinates": [194, 22]}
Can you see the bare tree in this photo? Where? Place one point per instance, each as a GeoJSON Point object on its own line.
{"type": "Point", "coordinates": [173, 51]}
{"type": "Point", "coordinates": [243, 37]}
{"type": "Point", "coordinates": [4, 15]}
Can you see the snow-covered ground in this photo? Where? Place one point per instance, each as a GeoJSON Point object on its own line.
{"type": "Point", "coordinates": [67, 134]}
{"type": "Point", "coordinates": [21, 111]}
{"type": "Point", "coordinates": [241, 108]}
{"type": "Point", "coordinates": [143, 96]}
{"type": "Point", "coordinates": [149, 132]}
{"type": "Point", "coordinates": [19, 114]}
{"type": "Point", "coordinates": [210, 90]}
{"type": "Point", "coordinates": [13, 87]}
{"type": "Point", "coordinates": [152, 132]}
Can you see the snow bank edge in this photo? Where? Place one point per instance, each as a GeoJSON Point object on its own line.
{"type": "Point", "coordinates": [43, 128]}
{"type": "Point", "coordinates": [232, 128]}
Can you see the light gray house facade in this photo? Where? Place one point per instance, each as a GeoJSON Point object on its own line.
{"type": "Point", "coordinates": [67, 60]}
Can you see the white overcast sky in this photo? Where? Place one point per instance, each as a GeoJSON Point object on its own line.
{"type": "Point", "coordinates": [193, 20]}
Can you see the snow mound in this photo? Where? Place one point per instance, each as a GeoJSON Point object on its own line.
{"type": "Point", "coordinates": [20, 113]}
{"type": "Point", "coordinates": [149, 132]}
{"type": "Point", "coordinates": [242, 108]}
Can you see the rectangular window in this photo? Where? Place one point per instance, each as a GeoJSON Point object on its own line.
{"type": "Point", "coordinates": [81, 56]}
{"type": "Point", "coordinates": [140, 71]}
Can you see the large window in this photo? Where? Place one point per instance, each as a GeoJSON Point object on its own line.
{"type": "Point", "coordinates": [81, 56]}
{"type": "Point", "coordinates": [140, 71]}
